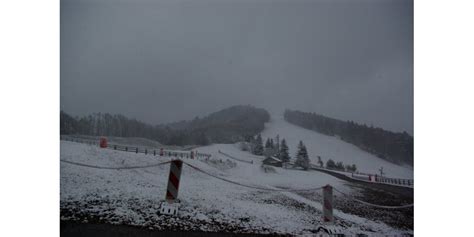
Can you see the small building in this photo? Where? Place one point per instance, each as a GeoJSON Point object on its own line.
{"type": "Point", "coordinates": [272, 161]}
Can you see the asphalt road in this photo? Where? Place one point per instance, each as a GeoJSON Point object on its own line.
{"type": "Point", "coordinates": [75, 229]}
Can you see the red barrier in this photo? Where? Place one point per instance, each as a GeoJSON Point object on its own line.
{"type": "Point", "coordinates": [103, 142]}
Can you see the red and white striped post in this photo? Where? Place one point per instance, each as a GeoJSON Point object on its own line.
{"type": "Point", "coordinates": [173, 181]}
{"type": "Point", "coordinates": [328, 217]}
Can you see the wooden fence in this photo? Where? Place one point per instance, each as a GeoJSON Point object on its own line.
{"type": "Point", "coordinates": [134, 149]}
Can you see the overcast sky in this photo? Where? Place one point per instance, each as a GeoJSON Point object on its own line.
{"type": "Point", "coordinates": [163, 61]}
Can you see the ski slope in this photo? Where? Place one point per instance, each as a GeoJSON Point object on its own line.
{"type": "Point", "coordinates": [133, 196]}
{"type": "Point", "coordinates": [329, 147]}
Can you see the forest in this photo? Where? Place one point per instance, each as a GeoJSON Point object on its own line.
{"type": "Point", "coordinates": [229, 125]}
{"type": "Point", "coordinates": [396, 147]}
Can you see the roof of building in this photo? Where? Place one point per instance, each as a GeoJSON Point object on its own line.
{"type": "Point", "coordinates": [272, 158]}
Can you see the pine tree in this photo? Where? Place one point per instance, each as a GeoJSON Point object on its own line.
{"type": "Point", "coordinates": [340, 166]}
{"type": "Point", "coordinates": [258, 150]}
{"type": "Point", "coordinates": [268, 151]}
{"type": "Point", "coordinates": [277, 146]}
{"type": "Point", "coordinates": [302, 159]}
{"type": "Point", "coordinates": [330, 164]}
{"type": "Point", "coordinates": [267, 143]}
{"type": "Point", "coordinates": [284, 154]}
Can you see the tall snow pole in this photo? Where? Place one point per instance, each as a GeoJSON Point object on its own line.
{"type": "Point", "coordinates": [328, 217]}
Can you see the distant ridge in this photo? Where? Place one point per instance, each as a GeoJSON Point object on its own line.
{"type": "Point", "coordinates": [225, 126]}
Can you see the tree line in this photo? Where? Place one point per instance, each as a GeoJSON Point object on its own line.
{"type": "Point", "coordinates": [332, 165]}
{"type": "Point", "coordinates": [278, 149]}
{"type": "Point", "coordinates": [229, 125]}
{"type": "Point", "coordinates": [391, 146]}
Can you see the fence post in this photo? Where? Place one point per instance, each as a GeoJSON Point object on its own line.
{"type": "Point", "coordinates": [136, 151]}
{"type": "Point", "coordinates": [115, 147]}
{"type": "Point", "coordinates": [161, 152]}
{"type": "Point", "coordinates": [146, 151]}
{"type": "Point", "coordinates": [154, 152]}
{"type": "Point", "coordinates": [328, 217]}
{"type": "Point", "coordinates": [126, 148]}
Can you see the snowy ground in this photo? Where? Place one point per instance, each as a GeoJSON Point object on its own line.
{"type": "Point", "coordinates": [133, 197]}
{"type": "Point", "coordinates": [329, 147]}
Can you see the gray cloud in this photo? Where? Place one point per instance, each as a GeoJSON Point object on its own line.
{"type": "Point", "coordinates": [161, 61]}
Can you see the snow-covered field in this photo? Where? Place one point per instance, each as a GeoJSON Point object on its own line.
{"type": "Point", "coordinates": [133, 196]}
{"type": "Point", "coordinates": [329, 147]}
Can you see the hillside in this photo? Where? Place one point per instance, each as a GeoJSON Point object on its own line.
{"type": "Point", "coordinates": [225, 126]}
{"type": "Point", "coordinates": [396, 147]}
{"type": "Point", "coordinates": [331, 147]}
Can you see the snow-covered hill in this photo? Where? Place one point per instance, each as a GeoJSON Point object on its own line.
{"type": "Point", "coordinates": [329, 147]}
{"type": "Point", "coordinates": [133, 196]}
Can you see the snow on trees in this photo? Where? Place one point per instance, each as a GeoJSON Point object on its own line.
{"type": "Point", "coordinates": [258, 146]}
{"type": "Point", "coordinates": [269, 148]}
{"type": "Point", "coordinates": [267, 143]}
{"type": "Point", "coordinates": [330, 164]}
{"type": "Point", "coordinates": [302, 159]}
{"type": "Point", "coordinates": [283, 154]}
{"type": "Point", "coordinates": [277, 146]}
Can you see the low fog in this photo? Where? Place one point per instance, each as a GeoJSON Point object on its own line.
{"type": "Point", "coordinates": [164, 61]}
